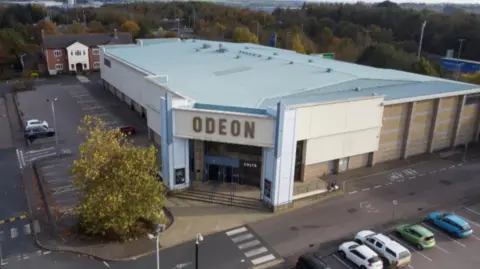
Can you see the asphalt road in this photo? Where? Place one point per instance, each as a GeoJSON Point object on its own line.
{"type": "Point", "coordinates": [307, 229]}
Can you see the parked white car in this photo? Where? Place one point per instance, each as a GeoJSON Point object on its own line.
{"type": "Point", "coordinates": [35, 123]}
{"type": "Point", "coordinates": [394, 253]}
{"type": "Point", "coordinates": [360, 255]}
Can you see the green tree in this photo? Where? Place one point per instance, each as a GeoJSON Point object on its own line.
{"type": "Point", "coordinates": [48, 27]}
{"type": "Point", "coordinates": [77, 28]}
{"type": "Point", "coordinates": [243, 35]}
{"type": "Point", "coordinates": [424, 67]}
{"type": "Point", "coordinates": [96, 27]}
{"type": "Point", "coordinates": [131, 27]}
{"type": "Point", "coordinates": [119, 182]}
{"type": "Point", "coordinates": [297, 44]}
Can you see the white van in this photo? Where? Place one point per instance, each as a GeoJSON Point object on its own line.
{"type": "Point", "coordinates": [394, 253]}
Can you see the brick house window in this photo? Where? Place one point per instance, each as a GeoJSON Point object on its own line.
{"type": "Point", "coordinates": [95, 51]}
{"type": "Point", "coordinates": [107, 62]}
{"type": "Point", "coordinates": [59, 66]}
{"type": "Point", "coordinates": [84, 65]}
{"type": "Point", "coordinates": [73, 66]}
{"type": "Point", "coordinates": [83, 52]}
{"type": "Point", "coordinates": [78, 53]}
{"type": "Point", "coordinates": [57, 53]}
{"type": "Point", "coordinates": [96, 65]}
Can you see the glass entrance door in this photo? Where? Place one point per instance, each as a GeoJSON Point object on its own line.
{"type": "Point", "coordinates": [214, 172]}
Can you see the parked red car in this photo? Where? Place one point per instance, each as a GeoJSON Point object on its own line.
{"type": "Point", "coordinates": [127, 130]}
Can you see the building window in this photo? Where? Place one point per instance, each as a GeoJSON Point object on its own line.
{"type": "Point", "coordinates": [73, 66]}
{"type": "Point", "coordinates": [57, 53]}
{"type": "Point", "coordinates": [59, 66]}
{"type": "Point", "coordinates": [71, 53]}
{"type": "Point", "coordinates": [84, 65]}
{"type": "Point", "coordinates": [83, 52]}
{"type": "Point", "coordinates": [95, 51]}
{"type": "Point", "coordinates": [471, 99]}
{"type": "Point", "coordinates": [107, 62]}
{"type": "Point", "coordinates": [96, 65]}
{"type": "Point", "coordinates": [78, 53]}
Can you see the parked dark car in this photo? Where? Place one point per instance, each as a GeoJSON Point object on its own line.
{"type": "Point", "coordinates": [311, 261]}
{"type": "Point", "coordinates": [127, 130]}
{"type": "Point", "coordinates": [37, 132]}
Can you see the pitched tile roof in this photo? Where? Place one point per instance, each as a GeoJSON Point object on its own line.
{"type": "Point", "coordinates": [90, 40]}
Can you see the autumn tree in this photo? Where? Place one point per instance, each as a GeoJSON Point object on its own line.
{"type": "Point", "coordinates": [243, 35]}
{"type": "Point", "coordinates": [130, 27]}
{"type": "Point", "coordinates": [77, 28]}
{"type": "Point", "coordinates": [297, 44]}
{"type": "Point", "coordinates": [119, 183]}
{"type": "Point", "coordinates": [48, 27]}
{"type": "Point", "coordinates": [96, 27]}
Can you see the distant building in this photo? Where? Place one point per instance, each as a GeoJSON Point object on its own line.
{"type": "Point", "coordinates": [71, 3]}
{"type": "Point", "coordinates": [77, 52]}
{"type": "Point", "coordinates": [462, 65]}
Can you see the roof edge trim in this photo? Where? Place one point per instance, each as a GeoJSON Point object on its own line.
{"type": "Point", "coordinates": [431, 96]}
{"type": "Point", "coordinates": [337, 101]}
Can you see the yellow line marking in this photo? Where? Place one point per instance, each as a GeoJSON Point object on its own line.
{"type": "Point", "coordinates": [2, 221]}
{"type": "Point", "coordinates": [22, 217]}
{"type": "Point", "coordinates": [11, 219]}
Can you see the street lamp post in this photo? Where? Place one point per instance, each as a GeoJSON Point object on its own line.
{"type": "Point", "coordinates": [421, 40]}
{"type": "Point", "coordinates": [458, 57]}
{"type": "Point", "coordinates": [52, 101]}
{"type": "Point", "coordinates": [395, 203]}
{"type": "Point", "coordinates": [197, 242]}
{"type": "Point", "coordinates": [158, 229]}
{"type": "Point", "coordinates": [465, 152]}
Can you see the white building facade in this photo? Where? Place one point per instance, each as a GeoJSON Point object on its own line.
{"type": "Point", "coordinates": [78, 57]}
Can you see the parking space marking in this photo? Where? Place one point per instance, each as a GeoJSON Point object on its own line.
{"type": "Point", "coordinates": [476, 237]}
{"type": "Point", "coordinates": [473, 211]}
{"type": "Point", "coordinates": [443, 234]}
{"type": "Point", "coordinates": [341, 261]}
{"type": "Point", "coordinates": [409, 266]}
{"type": "Point", "coordinates": [411, 248]}
{"type": "Point", "coordinates": [436, 246]}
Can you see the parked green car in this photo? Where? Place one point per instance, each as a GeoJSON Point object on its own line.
{"type": "Point", "coordinates": [417, 235]}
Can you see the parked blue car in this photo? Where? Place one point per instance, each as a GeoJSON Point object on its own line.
{"type": "Point", "coordinates": [450, 223]}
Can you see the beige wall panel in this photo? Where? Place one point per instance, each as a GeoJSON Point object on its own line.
{"type": "Point", "coordinates": [393, 124]}
{"type": "Point", "coordinates": [316, 170]}
{"type": "Point", "coordinates": [389, 152]}
{"type": "Point", "coordinates": [420, 129]}
{"type": "Point", "coordinates": [391, 136]}
{"type": "Point", "coordinates": [358, 161]}
{"type": "Point", "coordinates": [444, 130]}
{"type": "Point", "coordinates": [424, 106]}
{"type": "Point", "coordinates": [395, 110]}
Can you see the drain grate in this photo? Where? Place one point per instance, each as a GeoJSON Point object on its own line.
{"type": "Point", "coordinates": [352, 210]}
{"type": "Point", "coordinates": [446, 182]}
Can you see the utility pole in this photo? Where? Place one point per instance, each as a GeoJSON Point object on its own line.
{"type": "Point", "coordinates": [458, 57]}
{"type": "Point", "coordinates": [258, 30]}
{"type": "Point", "coordinates": [421, 40]}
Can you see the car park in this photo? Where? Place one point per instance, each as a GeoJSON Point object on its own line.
{"type": "Point", "coordinates": [360, 255]}
{"type": "Point", "coordinates": [35, 123]}
{"type": "Point", "coordinates": [37, 132]}
{"type": "Point", "coordinates": [311, 261]}
{"type": "Point", "coordinates": [450, 223]}
{"type": "Point", "coordinates": [392, 252]}
{"type": "Point", "coordinates": [417, 235]}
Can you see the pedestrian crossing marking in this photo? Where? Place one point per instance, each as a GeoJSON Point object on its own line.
{"type": "Point", "coordinates": [250, 246]}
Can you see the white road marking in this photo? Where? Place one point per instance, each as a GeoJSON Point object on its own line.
{"type": "Point", "coordinates": [443, 169]}
{"type": "Point", "coordinates": [421, 175]}
{"type": "Point", "coordinates": [436, 246]}
{"type": "Point", "coordinates": [352, 192]}
{"type": "Point", "coordinates": [473, 211]}
{"type": "Point", "coordinates": [366, 189]}
{"type": "Point", "coordinates": [452, 166]}
{"type": "Point", "coordinates": [83, 79]}
{"type": "Point", "coordinates": [92, 108]}
{"type": "Point", "coordinates": [46, 252]}
{"type": "Point", "coordinates": [460, 164]}
{"type": "Point", "coordinates": [432, 172]}
{"type": "Point", "coordinates": [411, 177]}
{"type": "Point", "coordinates": [430, 227]}
{"type": "Point", "coordinates": [236, 231]}
{"type": "Point", "coordinates": [80, 95]}
{"type": "Point", "coordinates": [249, 244]}
{"type": "Point", "coordinates": [255, 252]}
{"type": "Point", "coordinates": [409, 266]}
{"type": "Point", "coordinates": [106, 264]}
{"type": "Point", "coordinates": [263, 259]}
{"type": "Point", "coordinates": [86, 101]}
{"type": "Point", "coordinates": [378, 186]}
{"type": "Point", "coordinates": [341, 261]}
{"type": "Point", "coordinates": [476, 237]}
{"type": "Point", "coordinates": [386, 184]}
{"type": "Point", "coordinates": [411, 248]}
{"type": "Point", "coordinates": [241, 238]}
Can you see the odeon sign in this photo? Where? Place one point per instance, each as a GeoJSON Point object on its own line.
{"type": "Point", "coordinates": [224, 127]}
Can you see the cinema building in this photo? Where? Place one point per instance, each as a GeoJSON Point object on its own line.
{"type": "Point", "coordinates": [272, 118]}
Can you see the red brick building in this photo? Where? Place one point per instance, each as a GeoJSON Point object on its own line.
{"type": "Point", "coordinates": [78, 52]}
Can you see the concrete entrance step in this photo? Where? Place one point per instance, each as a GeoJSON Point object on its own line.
{"type": "Point", "coordinates": [222, 199]}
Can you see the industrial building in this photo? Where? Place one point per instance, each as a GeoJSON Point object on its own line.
{"type": "Point", "coordinates": [268, 117]}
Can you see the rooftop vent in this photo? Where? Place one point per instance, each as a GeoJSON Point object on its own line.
{"type": "Point", "coordinates": [329, 70]}
{"type": "Point", "coordinates": [269, 58]}
{"type": "Point", "coordinates": [197, 50]}
{"type": "Point", "coordinates": [259, 55]}
{"type": "Point", "coordinates": [291, 62]}
{"type": "Point", "coordinates": [221, 48]}
{"type": "Point", "coordinates": [206, 46]}
{"type": "Point", "coordinates": [275, 53]}
{"type": "Point", "coordinates": [246, 47]}
{"type": "Point", "coordinates": [374, 94]}
{"type": "Point", "coordinates": [237, 57]}
{"type": "Point", "coordinates": [310, 60]}
{"type": "Point", "coordinates": [357, 89]}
